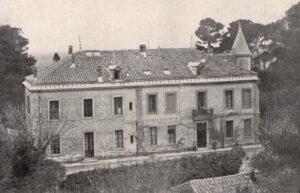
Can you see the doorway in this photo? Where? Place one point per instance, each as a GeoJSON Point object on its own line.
{"type": "Point", "coordinates": [89, 144]}
{"type": "Point", "coordinates": [201, 134]}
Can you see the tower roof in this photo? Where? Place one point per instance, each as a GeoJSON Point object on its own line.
{"type": "Point", "coordinates": [240, 46]}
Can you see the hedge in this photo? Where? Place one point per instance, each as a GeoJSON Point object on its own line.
{"type": "Point", "coordinates": [157, 176]}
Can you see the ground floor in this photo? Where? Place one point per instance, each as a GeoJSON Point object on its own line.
{"type": "Point", "coordinates": [103, 139]}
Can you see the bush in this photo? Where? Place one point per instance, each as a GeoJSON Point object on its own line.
{"type": "Point", "coordinates": [157, 176]}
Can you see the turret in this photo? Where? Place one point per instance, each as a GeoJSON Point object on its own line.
{"type": "Point", "coordinates": [241, 50]}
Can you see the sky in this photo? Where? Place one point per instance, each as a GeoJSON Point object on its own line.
{"type": "Point", "coordinates": [53, 25]}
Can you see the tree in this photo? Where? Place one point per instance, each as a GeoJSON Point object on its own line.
{"type": "Point", "coordinates": [280, 137]}
{"type": "Point", "coordinates": [252, 32]}
{"type": "Point", "coordinates": [209, 31]}
{"type": "Point", "coordinates": [15, 64]}
{"type": "Point", "coordinates": [27, 142]}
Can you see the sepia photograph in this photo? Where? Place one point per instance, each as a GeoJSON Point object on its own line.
{"type": "Point", "coordinates": [149, 96]}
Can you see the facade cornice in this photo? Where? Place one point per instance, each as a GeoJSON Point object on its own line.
{"type": "Point", "coordinates": [116, 85]}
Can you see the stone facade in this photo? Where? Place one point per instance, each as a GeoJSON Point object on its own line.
{"type": "Point", "coordinates": [104, 122]}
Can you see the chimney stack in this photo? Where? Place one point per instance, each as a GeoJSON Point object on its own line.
{"type": "Point", "coordinates": [56, 57]}
{"type": "Point", "coordinates": [34, 72]}
{"type": "Point", "coordinates": [70, 50]}
{"type": "Point", "coordinates": [143, 50]}
{"type": "Point", "coordinates": [99, 73]}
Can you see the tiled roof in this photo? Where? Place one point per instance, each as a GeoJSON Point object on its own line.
{"type": "Point", "coordinates": [133, 66]}
{"type": "Point", "coordinates": [229, 184]}
{"type": "Point", "coordinates": [240, 45]}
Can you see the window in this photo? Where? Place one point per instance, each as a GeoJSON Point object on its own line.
{"type": "Point", "coordinates": [88, 107]}
{"type": "Point", "coordinates": [247, 127]}
{"type": "Point", "coordinates": [28, 103]}
{"type": "Point", "coordinates": [229, 129]}
{"type": "Point", "coordinates": [229, 99]}
{"type": "Point", "coordinates": [55, 145]}
{"type": "Point", "coordinates": [171, 103]}
{"type": "Point", "coordinates": [153, 135]}
{"type": "Point", "coordinates": [247, 98]}
{"type": "Point", "coordinates": [152, 104]}
{"type": "Point", "coordinates": [172, 134]}
{"type": "Point", "coordinates": [119, 139]}
{"type": "Point", "coordinates": [117, 74]}
{"type": "Point", "coordinates": [131, 139]}
{"type": "Point", "coordinates": [130, 106]}
{"type": "Point", "coordinates": [53, 110]}
{"type": "Point", "coordinates": [118, 105]}
{"type": "Point", "coordinates": [201, 100]}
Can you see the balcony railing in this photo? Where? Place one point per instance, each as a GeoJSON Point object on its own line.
{"type": "Point", "coordinates": [202, 112]}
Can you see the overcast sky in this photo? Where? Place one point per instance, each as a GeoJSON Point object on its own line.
{"type": "Point", "coordinates": [52, 25]}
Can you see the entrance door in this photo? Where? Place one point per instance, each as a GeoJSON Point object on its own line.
{"type": "Point", "coordinates": [89, 144]}
{"type": "Point", "coordinates": [201, 135]}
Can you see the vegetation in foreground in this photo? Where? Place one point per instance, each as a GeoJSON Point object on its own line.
{"type": "Point", "coordinates": [158, 176]}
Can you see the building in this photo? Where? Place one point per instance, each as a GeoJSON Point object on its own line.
{"type": "Point", "coordinates": [139, 101]}
{"type": "Point", "coordinates": [239, 183]}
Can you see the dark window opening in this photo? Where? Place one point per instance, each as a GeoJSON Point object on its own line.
{"type": "Point", "coordinates": [118, 105]}
{"type": "Point", "coordinates": [117, 74]}
{"type": "Point", "coordinates": [54, 110]}
{"type": "Point", "coordinates": [28, 103]}
{"type": "Point", "coordinates": [229, 129]}
{"type": "Point", "coordinates": [172, 134]}
{"type": "Point", "coordinates": [55, 145]}
{"type": "Point", "coordinates": [130, 106]}
{"type": "Point", "coordinates": [131, 139]}
{"type": "Point", "coordinates": [88, 107]}
{"type": "Point", "coordinates": [201, 100]}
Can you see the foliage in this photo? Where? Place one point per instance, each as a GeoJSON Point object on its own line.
{"type": "Point", "coordinates": [26, 143]}
{"type": "Point", "coordinates": [15, 64]}
{"type": "Point", "coordinates": [157, 176]}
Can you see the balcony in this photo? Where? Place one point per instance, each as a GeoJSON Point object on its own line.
{"type": "Point", "coordinates": [203, 113]}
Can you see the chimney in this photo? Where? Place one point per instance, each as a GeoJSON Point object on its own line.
{"type": "Point", "coordinates": [56, 57]}
{"type": "Point", "coordinates": [70, 50]}
{"type": "Point", "coordinates": [99, 73]}
{"type": "Point", "coordinates": [34, 72]}
{"type": "Point", "coordinates": [252, 175]}
{"type": "Point", "coordinates": [143, 50]}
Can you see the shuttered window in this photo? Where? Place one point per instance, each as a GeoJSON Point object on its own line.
{"type": "Point", "coordinates": [153, 135]}
{"type": "Point", "coordinates": [119, 141]}
{"type": "Point", "coordinates": [152, 104]}
{"type": "Point", "coordinates": [171, 103]}
{"type": "Point", "coordinates": [229, 99]}
{"type": "Point", "coordinates": [247, 98]}
{"type": "Point", "coordinates": [247, 127]}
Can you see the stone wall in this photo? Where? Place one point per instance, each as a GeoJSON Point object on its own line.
{"type": "Point", "coordinates": [105, 122]}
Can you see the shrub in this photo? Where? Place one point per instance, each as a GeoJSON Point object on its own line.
{"type": "Point", "coordinates": [157, 176]}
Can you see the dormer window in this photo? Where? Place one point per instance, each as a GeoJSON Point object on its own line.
{"type": "Point", "coordinates": [167, 72]}
{"type": "Point", "coordinates": [147, 72]}
{"type": "Point", "coordinates": [117, 74]}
